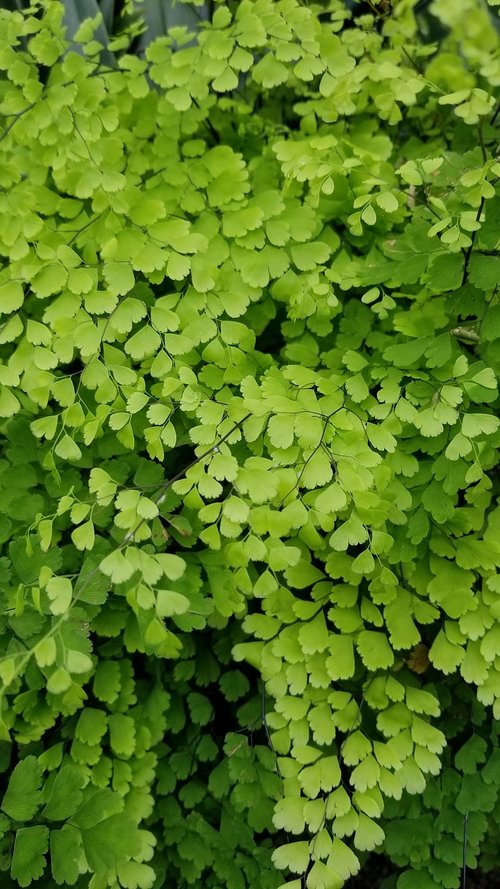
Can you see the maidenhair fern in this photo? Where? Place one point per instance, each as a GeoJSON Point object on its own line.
{"type": "Point", "coordinates": [249, 345]}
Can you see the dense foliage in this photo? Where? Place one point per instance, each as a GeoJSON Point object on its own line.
{"type": "Point", "coordinates": [250, 345]}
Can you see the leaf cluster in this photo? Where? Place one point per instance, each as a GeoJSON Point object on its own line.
{"type": "Point", "coordinates": [249, 362]}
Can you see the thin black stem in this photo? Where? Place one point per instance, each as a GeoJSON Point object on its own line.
{"type": "Point", "coordinates": [208, 123]}
{"type": "Point", "coordinates": [481, 142]}
{"type": "Point", "coordinates": [7, 130]}
{"type": "Point", "coordinates": [25, 655]}
{"type": "Point", "coordinates": [464, 861]}
{"type": "Point", "coordinates": [411, 60]}
{"type": "Point", "coordinates": [471, 245]}
{"type": "Point", "coordinates": [160, 495]}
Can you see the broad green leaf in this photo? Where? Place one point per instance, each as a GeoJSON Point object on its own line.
{"type": "Point", "coordinates": [117, 567]}
{"type": "Point", "coordinates": [289, 814]}
{"type": "Point", "coordinates": [22, 797]}
{"type": "Point", "coordinates": [340, 663]}
{"type": "Point", "coordinates": [111, 842]}
{"type": "Point", "coordinates": [65, 850]}
{"type": "Point", "coordinates": [83, 537]}
{"type": "Point", "coordinates": [294, 856]}
{"type": "Point", "coordinates": [65, 795]}
{"type": "Point", "coordinates": [342, 860]}
{"type": "Point", "coordinates": [445, 655]}
{"type": "Point", "coordinates": [368, 834]}
{"type": "Point", "coordinates": [374, 650]}
{"type": "Point", "coordinates": [60, 593]}
{"type": "Point", "coordinates": [11, 296]}
{"type": "Point", "coordinates": [28, 857]}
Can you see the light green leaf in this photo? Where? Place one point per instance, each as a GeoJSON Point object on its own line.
{"type": "Point", "coordinates": [294, 856]}
{"type": "Point", "coordinates": [83, 537]}
{"type": "Point", "coordinates": [342, 860]}
{"type": "Point", "coordinates": [11, 296]}
{"type": "Point", "coordinates": [374, 650]}
{"type": "Point", "coordinates": [60, 593]}
{"type": "Point", "coordinates": [117, 567]}
{"type": "Point", "coordinates": [368, 834]}
{"type": "Point", "coordinates": [474, 425]}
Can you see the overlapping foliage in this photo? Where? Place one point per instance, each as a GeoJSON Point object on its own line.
{"type": "Point", "coordinates": [250, 524]}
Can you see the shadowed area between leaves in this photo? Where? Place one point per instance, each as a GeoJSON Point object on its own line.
{"type": "Point", "coordinates": [378, 872]}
